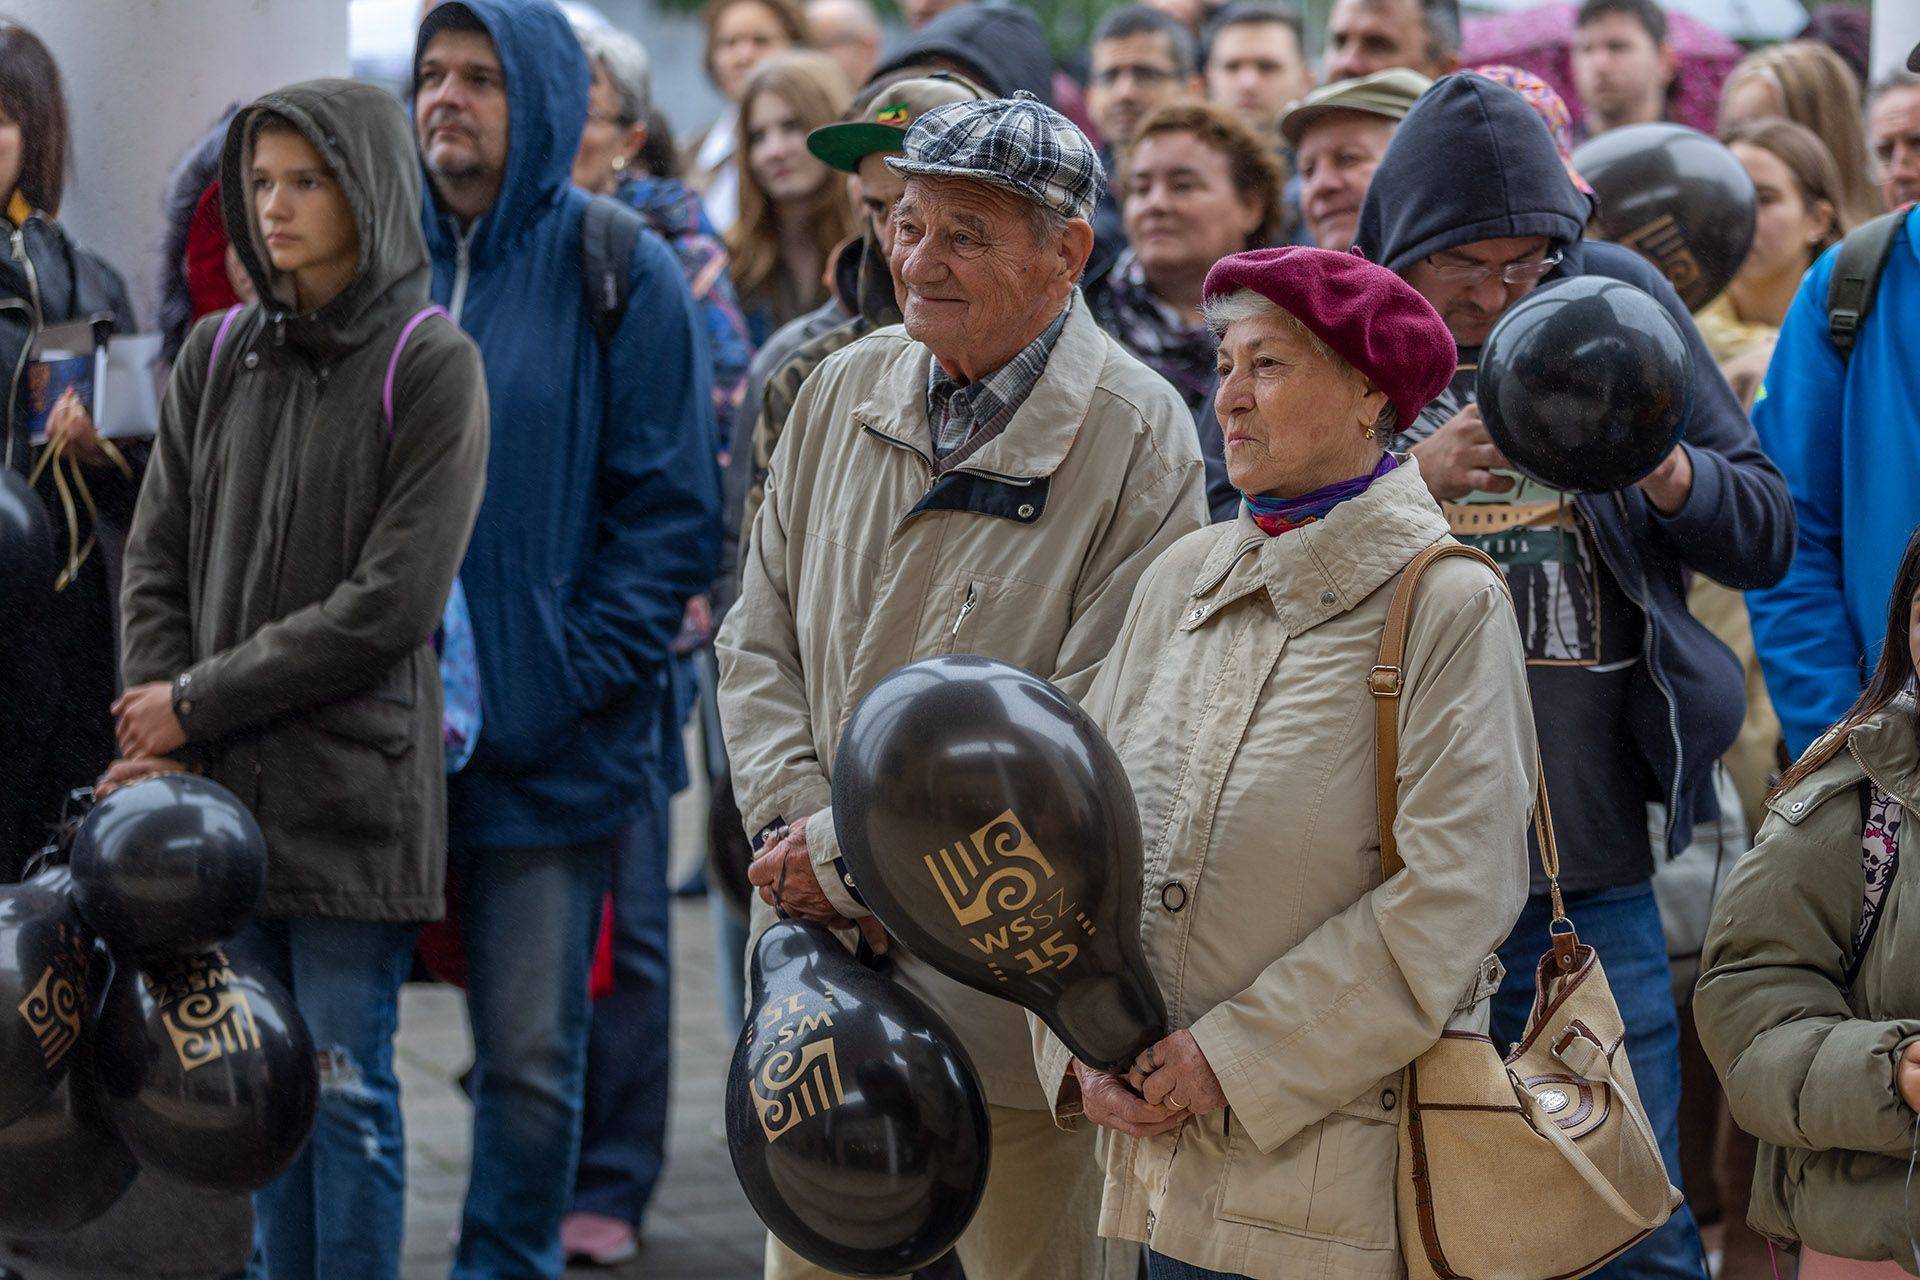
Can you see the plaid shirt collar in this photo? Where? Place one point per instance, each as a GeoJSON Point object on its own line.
{"type": "Point", "coordinates": [966, 417]}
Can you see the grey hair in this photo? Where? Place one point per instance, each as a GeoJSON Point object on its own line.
{"type": "Point", "coordinates": [1245, 304]}
{"type": "Point", "coordinates": [1898, 78]}
{"type": "Point", "coordinates": [623, 61]}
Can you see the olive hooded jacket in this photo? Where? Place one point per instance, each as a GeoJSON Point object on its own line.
{"type": "Point", "coordinates": [308, 503]}
{"type": "Point", "coordinates": [1807, 1055]}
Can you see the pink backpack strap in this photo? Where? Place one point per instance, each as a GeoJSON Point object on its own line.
{"type": "Point", "coordinates": [393, 363]}
{"type": "Point", "coordinates": [220, 334]}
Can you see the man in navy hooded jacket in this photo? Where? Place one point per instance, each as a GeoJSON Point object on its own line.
{"type": "Point", "coordinates": [601, 518]}
{"type": "Point", "coordinates": [1634, 700]}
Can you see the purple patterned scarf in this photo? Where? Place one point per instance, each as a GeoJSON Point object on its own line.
{"type": "Point", "coordinates": [1277, 515]}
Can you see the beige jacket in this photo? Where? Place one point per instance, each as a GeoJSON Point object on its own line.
{"type": "Point", "coordinates": [1237, 697]}
{"type": "Point", "coordinates": [859, 563]}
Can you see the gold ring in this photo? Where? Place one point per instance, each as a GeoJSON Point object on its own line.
{"type": "Point", "coordinates": [1174, 1104]}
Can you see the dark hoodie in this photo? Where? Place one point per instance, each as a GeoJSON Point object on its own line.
{"type": "Point", "coordinates": [603, 494]}
{"type": "Point", "coordinates": [1472, 161]}
{"type": "Point", "coordinates": [1003, 46]}
{"type": "Point", "coordinates": [296, 539]}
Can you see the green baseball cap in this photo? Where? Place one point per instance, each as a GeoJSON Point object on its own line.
{"type": "Point", "coordinates": [893, 110]}
{"type": "Point", "coordinates": [1390, 94]}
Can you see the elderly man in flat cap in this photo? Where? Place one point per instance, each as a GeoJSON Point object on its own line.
{"type": "Point", "coordinates": [990, 478]}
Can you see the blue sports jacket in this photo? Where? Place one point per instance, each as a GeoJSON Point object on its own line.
{"type": "Point", "coordinates": [602, 513]}
{"type": "Point", "coordinates": [1847, 436]}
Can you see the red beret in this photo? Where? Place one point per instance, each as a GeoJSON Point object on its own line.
{"type": "Point", "coordinates": [1370, 317]}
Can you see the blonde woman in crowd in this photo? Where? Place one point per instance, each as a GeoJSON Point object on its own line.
{"type": "Point", "coordinates": [741, 34]}
{"type": "Point", "coordinates": [1808, 84]}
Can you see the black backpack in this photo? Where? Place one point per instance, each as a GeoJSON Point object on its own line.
{"type": "Point", "coordinates": [1856, 276]}
{"type": "Point", "coordinates": [608, 232]}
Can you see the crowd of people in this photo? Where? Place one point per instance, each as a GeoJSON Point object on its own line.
{"type": "Point", "coordinates": [506, 432]}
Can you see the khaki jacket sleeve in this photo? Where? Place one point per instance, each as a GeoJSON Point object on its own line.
{"type": "Point", "coordinates": [1371, 989]}
{"type": "Point", "coordinates": [1148, 520]}
{"type": "Point", "coordinates": [764, 714]}
{"type": "Point", "coordinates": [435, 473]}
{"type": "Point", "coordinates": [1800, 1070]}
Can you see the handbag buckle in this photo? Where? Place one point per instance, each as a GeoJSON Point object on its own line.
{"type": "Point", "coordinates": [1384, 682]}
{"type": "Point", "coordinates": [1566, 944]}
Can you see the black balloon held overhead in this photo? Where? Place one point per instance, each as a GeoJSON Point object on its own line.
{"type": "Point", "coordinates": [168, 866]}
{"type": "Point", "coordinates": [61, 1166]}
{"type": "Point", "coordinates": [856, 1126]}
{"type": "Point", "coordinates": [44, 994]}
{"type": "Point", "coordinates": [990, 826]}
{"type": "Point", "coordinates": [1586, 384]}
{"type": "Point", "coordinates": [208, 1071]}
{"type": "Point", "coordinates": [1677, 197]}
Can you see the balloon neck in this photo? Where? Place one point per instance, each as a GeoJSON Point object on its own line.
{"type": "Point", "coordinates": [1107, 1021]}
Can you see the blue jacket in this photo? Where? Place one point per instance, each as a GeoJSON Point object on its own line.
{"type": "Point", "coordinates": [1472, 161]}
{"type": "Point", "coordinates": [1848, 438]}
{"type": "Point", "coordinates": [602, 514]}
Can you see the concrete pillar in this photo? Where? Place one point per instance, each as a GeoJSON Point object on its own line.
{"type": "Point", "coordinates": [1896, 29]}
{"type": "Point", "coordinates": [144, 79]}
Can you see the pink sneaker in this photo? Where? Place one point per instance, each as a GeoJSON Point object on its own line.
{"type": "Point", "coordinates": [597, 1240]}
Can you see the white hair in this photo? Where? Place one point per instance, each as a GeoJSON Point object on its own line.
{"type": "Point", "coordinates": [1244, 304]}
{"type": "Point", "coordinates": [623, 61]}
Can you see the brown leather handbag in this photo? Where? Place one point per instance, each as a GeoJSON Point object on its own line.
{"type": "Point", "coordinates": [1541, 1165]}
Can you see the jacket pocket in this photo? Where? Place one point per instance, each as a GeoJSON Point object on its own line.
{"type": "Point", "coordinates": [526, 690]}
{"type": "Point", "coordinates": [1333, 1180]}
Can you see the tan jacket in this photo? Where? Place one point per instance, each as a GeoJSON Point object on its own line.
{"type": "Point", "coordinates": [859, 562]}
{"type": "Point", "coordinates": [1237, 697]}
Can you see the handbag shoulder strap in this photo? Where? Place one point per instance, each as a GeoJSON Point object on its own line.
{"type": "Point", "coordinates": [1386, 681]}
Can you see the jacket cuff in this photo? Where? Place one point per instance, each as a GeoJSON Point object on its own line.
{"type": "Point", "coordinates": [1055, 1064]}
{"type": "Point", "coordinates": [836, 882]}
{"type": "Point", "coordinates": [1246, 1079]}
{"type": "Point", "coordinates": [196, 703]}
{"type": "Point", "coordinates": [1700, 514]}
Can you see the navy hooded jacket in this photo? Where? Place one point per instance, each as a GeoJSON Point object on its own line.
{"type": "Point", "coordinates": [602, 512]}
{"type": "Point", "coordinates": [1472, 161]}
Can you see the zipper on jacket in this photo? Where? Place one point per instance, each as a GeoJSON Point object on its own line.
{"type": "Point", "coordinates": [34, 325]}
{"type": "Point", "coordinates": [1868, 770]}
{"type": "Point", "coordinates": [966, 607]}
{"type": "Point", "coordinates": [462, 243]}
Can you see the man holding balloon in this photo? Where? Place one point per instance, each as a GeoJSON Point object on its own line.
{"type": "Point", "coordinates": [1616, 461]}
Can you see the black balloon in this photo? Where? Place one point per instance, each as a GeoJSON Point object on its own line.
{"type": "Point", "coordinates": [856, 1126]}
{"type": "Point", "coordinates": [26, 547]}
{"type": "Point", "coordinates": [989, 825]}
{"type": "Point", "coordinates": [1586, 384]}
{"type": "Point", "coordinates": [168, 866]}
{"type": "Point", "coordinates": [61, 1166]}
{"type": "Point", "coordinates": [43, 992]}
{"type": "Point", "coordinates": [1677, 197]}
{"type": "Point", "coordinates": [208, 1071]}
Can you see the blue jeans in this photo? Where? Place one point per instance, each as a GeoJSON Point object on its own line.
{"type": "Point", "coordinates": [529, 918]}
{"type": "Point", "coordinates": [1161, 1267]}
{"type": "Point", "coordinates": [624, 1139]}
{"type": "Point", "coordinates": [339, 1209]}
{"type": "Point", "coordinates": [1623, 927]}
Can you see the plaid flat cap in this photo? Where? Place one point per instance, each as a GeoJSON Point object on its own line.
{"type": "Point", "coordinates": [1018, 143]}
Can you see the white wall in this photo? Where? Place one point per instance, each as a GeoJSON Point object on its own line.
{"type": "Point", "coordinates": [1896, 29]}
{"type": "Point", "coordinates": [144, 79]}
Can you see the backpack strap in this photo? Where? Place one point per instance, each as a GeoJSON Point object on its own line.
{"type": "Point", "coordinates": [1386, 682]}
{"type": "Point", "coordinates": [1856, 276]}
{"type": "Point", "coordinates": [608, 232]}
{"type": "Point", "coordinates": [220, 334]}
{"type": "Point", "coordinates": [393, 362]}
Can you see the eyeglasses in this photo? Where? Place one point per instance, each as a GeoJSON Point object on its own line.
{"type": "Point", "coordinates": [1512, 273]}
{"type": "Point", "coordinates": [1107, 77]}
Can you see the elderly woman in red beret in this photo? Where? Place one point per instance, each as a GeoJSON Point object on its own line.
{"type": "Point", "coordinates": [1258, 1139]}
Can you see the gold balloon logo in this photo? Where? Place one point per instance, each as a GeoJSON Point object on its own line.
{"type": "Point", "coordinates": [1663, 241]}
{"type": "Point", "coordinates": [796, 1084]}
{"type": "Point", "coordinates": [52, 1008]}
{"type": "Point", "coordinates": [205, 1017]}
{"type": "Point", "coordinates": [982, 875]}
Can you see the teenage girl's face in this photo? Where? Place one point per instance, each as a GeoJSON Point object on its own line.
{"type": "Point", "coordinates": [777, 154]}
{"type": "Point", "coordinates": [305, 220]}
{"type": "Point", "coordinates": [1786, 227]}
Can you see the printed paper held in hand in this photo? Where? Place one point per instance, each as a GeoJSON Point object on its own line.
{"type": "Point", "coordinates": [113, 374]}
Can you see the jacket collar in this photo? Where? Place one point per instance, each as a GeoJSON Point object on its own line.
{"type": "Point", "coordinates": [1041, 431]}
{"type": "Point", "coordinates": [1326, 568]}
{"type": "Point", "coordinates": [1885, 745]}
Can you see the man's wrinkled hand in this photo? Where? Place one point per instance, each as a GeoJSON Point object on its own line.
{"type": "Point", "coordinates": [1175, 1074]}
{"type": "Point", "coordinates": [1461, 458]}
{"type": "Point", "coordinates": [126, 771]}
{"type": "Point", "coordinates": [783, 873]}
{"type": "Point", "coordinates": [145, 724]}
{"type": "Point", "coordinates": [1106, 1099]}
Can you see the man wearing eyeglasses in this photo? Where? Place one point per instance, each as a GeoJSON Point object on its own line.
{"type": "Point", "coordinates": [1634, 700]}
{"type": "Point", "coordinates": [1140, 59]}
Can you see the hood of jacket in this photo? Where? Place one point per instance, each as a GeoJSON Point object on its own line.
{"type": "Point", "coordinates": [863, 282]}
{"type": "Point", "coordinates": [547, 79]}
{"type": "Point", "coordinates": [1471, 161]}
{"type": "Point", "coordinates": [1003, 46]}
{"type": "Point", "coordinates": [363, 134]}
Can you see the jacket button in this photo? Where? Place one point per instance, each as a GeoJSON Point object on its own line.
{"type": "Point", "coordinates": [1796, 806]}
{"type": "Point", "coordinates": [252, 360]}
{"type": "Point", "coordinates": [1327, 597]}
{"type": "Point", "coordinates": [1387, 1099]}
{"type": "Point", "coordinates": [1150, 1221]}
{"type": "Point", "coordinates": [1173, 895]}
{"type": "Point", "coordinates": [1026, 511]}
{"type": "Point", "coordinates": [1196, 615]}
